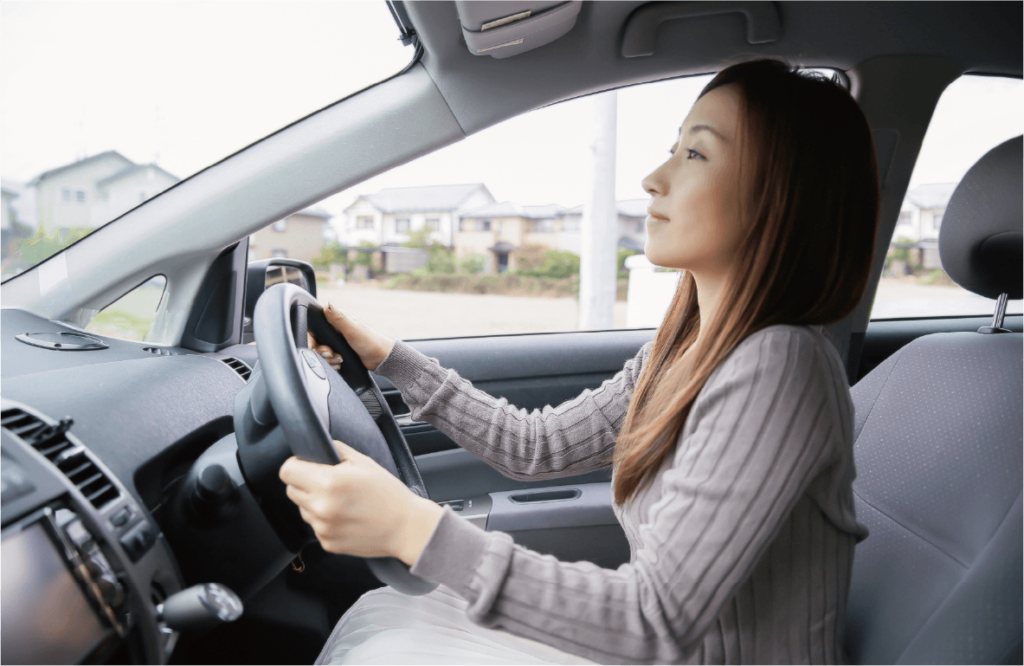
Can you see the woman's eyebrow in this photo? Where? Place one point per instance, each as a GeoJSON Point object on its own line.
{"type": "Point", "coordinates": [705, 128]}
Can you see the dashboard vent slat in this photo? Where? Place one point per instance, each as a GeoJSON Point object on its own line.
{"type": "Point", "coordinates": [239, 367]}
{"type": "Point", "coordinates": [71, 459]}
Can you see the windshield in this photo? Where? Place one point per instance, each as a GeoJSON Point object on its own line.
{"type": "Point", "coordinates": [105, 105]}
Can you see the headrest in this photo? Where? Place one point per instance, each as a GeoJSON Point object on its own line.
{"type": "Point", "coordinates": [980, 240]}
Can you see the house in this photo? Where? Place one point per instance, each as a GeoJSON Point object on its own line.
{"type": "Point", "coordinates": [298, 236]}
{"type": "Point", "coordinates": [922, 211]}
{"type": "Point", "coordinates": [498, 231]}
{"type": "Point", "coordinates": [91, 192]}
{"type": "Point", "coordinates": [387, 217]}
{"type": "Point", "coordinates": [921, 218]}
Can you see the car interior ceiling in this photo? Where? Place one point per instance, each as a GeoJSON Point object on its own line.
{"type": "Point", "coordinates": [899, 58]}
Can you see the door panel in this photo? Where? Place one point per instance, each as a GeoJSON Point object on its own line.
{"type": "Point", "coordinates": [530, 371]}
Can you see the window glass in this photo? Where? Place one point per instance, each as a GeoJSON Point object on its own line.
{"type": "Point", "coordinates": [131, 316]}
{"type": "Point", "coordinates": [104, 100]}
{"type": "Point", "coordinates": [974, 115]}
{"type": "Point", "coordinates": [506, 255]}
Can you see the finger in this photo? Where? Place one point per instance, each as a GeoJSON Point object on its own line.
{"type": "Point", "coordinates": [300, 497]}
{"type": "Point", "coordinates": [302, 474]}
{"type": "Point", "coordinates": [337, 318]}
{"type": "Point", "coordinates": [311, 340]}
{"type": "Point", "coordinates": [346, 452]}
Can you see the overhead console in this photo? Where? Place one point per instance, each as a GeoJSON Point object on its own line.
{"type": "Point", "coordinates": [503, 29]}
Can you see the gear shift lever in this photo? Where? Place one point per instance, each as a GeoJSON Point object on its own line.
{"type": "Point", "coordinates": [199, 606]}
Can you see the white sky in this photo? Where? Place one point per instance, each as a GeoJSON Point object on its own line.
{"type": "Point", "coordinates": [187, 83]}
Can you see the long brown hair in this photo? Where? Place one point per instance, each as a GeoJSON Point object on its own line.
{"type": "Point", "coordinates": [813, 213]}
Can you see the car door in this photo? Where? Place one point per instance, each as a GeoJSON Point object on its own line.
{"type": "Point", "coordinates": [571, 517]}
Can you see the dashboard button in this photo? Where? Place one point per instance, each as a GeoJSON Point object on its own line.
{"type": "Point", "coordinates": [121, 518]}
{"type": "Point", "coordinates": [137, 540]}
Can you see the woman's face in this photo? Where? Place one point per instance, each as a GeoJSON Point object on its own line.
{"type": "Point", "coordinates": [694, 220]}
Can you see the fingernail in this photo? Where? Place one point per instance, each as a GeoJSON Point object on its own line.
{"type": "Point", "coordinates": [330, 307]}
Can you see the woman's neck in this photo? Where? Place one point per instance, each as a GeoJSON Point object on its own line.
{"type": "Point", "coordinates": [709, 291]}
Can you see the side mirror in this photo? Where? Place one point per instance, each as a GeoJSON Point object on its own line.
{"type": "Point", "coordinates": [266, 273]}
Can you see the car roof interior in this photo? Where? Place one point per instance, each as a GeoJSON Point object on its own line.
{"type": "Point", "coordinates": [898, 57]}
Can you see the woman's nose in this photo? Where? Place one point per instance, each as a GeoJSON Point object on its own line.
{"type": "Point", "coordinates": [653, 183]}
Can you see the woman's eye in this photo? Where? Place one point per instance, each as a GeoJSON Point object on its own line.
{"type": "Point", "coordinates": [692, 154]}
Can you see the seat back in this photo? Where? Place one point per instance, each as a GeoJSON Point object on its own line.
{"type": "Point", "coordinates": [939, 467]}
{"type": "Point", "coordinates": [939, 452]}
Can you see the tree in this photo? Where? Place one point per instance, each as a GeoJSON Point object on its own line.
{"type": "Point", "coordinates": [332, 252]}
{"type": "Point", "coordinates": [43, 245]}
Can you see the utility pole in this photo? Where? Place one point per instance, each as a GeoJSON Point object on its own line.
{"type": "Point", "coordinates": [599, 230]}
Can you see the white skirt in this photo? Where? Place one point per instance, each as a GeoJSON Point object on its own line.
{"type": "Point", "coordinates": [388, 627]}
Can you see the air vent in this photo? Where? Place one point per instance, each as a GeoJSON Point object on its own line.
{"type": "Point", "coordinates": [239, 367]}
{"type": "Point", "coordinates": [70, 458]}
{"type": "Point", "coordinates": [162, 351]}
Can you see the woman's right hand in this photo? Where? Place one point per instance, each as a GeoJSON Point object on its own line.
{"type": "Point", "coordinates": [371, 346]}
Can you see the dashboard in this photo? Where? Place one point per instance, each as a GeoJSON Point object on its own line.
{"type": "Point", "coordinates": [103, 443]}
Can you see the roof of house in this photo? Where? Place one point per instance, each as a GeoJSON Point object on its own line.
{"type": "Point", "coordinates": [630, 244]}
{"type": "Point", "coordinates": [932, 195]}
{"type": "Point", "coordinates": [634, 207]}
{"type": "Point", "coordinates": [129, 170]}
{"type": "Point", "coordinates": [430, 198]}
{"type": "Point", "coordinates": [52, 172]}
{"type": "Point", "coordinates": [313, 211]}
{"type": "Point", "coordinates": [7, 189]}
{"type": "Point", "coordinates": [503, 246]}
{"type": "Point", "coordinates": [626, 207]}
{"type": "Point", "coordinates": [509, 209]}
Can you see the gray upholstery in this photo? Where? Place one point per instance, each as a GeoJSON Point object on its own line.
{"type": "Point", "coordinates": [980, 242]}
{"type": "Point", "coordinates": [940, 456]}
{"type": "Point", "coordinates": [939, 464]}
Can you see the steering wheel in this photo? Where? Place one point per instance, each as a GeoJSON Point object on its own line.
{"type": "Point", "coordinates": [295, 403]}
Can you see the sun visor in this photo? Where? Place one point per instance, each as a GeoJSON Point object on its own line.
{"type": "Point", "coordinates": [502, 29]}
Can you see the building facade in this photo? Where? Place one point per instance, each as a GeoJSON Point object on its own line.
{"type": "Point", "coordinates": [388, 217]}
{"type": "Point", "coordinates": [93, 191]}
{"type": "Point", "coordinates": [298, 236]}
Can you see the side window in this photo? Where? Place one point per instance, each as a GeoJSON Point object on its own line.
{"type": "Point", "coordinates": [504, 218]}
{"type": "Point", "coordinates": [974, 115]}
{"type": "Point", "coordinates": [131, 316]}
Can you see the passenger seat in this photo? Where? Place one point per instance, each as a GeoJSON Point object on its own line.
{"type": "Point", "coordinates": [939, 458]}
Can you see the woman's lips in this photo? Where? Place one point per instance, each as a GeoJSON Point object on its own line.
{"type": "Point", "coordinates": [651, 217]}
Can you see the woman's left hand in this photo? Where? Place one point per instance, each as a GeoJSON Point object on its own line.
{"type": "Point", "coordinates": [358, 508]}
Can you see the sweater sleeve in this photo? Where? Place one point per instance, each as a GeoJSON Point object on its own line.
{"type": "Point", "coordinates": [576, 437]}
{"type": "Point", "coordinates": [762, 428]}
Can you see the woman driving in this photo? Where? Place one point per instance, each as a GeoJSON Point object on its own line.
{"type": "Point", "coordinates": [730, 435]}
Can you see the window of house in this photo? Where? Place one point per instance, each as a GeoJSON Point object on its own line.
{"type": "Point", "coordinates": [433, 223]}
{"type": "Point", "coordinates": [142, 197]}
{"type": "Point", "coordinates": [543, 226]}
{"type": "Point", "coordinates": [65, 194]}
{"type": "Point", "coordinates": [483, 225]}
{"type": "Point", "coordinates": [974, 115]}
{"type": "Point", "coordinates": [131, 316]}
{"type": "Point", "coordinates": [402, 225]}
{"type": "Point", "coordinates": [280, 226]}
{"type": "Point", "coordinates": [278, 253]}
{"type": "Point", "coordinates": [364, 222]}
{"type": "Point", "coordinates": [79, 196]}
{"type": "Point", "coordinates": [571, 224]}
{"type": "Point", "coordinates": [640, 226]}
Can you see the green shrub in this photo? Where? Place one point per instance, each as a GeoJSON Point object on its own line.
{"type": "Point", "coordinates": [441, 260]}
{"type": "Point", "coordinates": [557, 264]}
{"type": "Point", "coordinates": [471, 264]}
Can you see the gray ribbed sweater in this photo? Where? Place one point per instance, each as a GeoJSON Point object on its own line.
{"type": "Point", "coordinates": [741, 546]}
